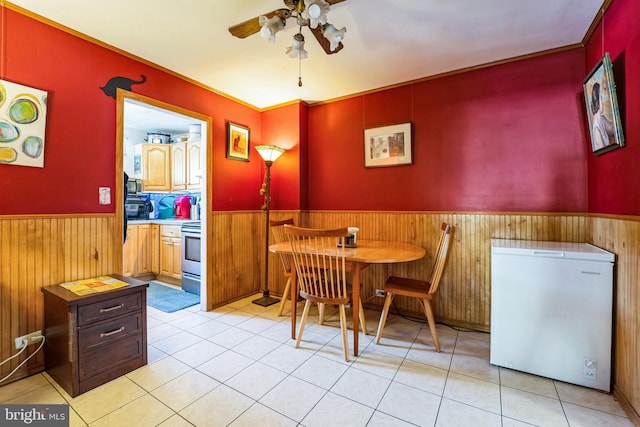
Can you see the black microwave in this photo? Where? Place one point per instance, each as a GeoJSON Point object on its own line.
{"type": "Point", "coordinates": [134, 186]}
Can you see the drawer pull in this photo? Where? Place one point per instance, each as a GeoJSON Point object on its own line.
{"type": "Point", "coordinates": [106, 334]}
{"type": "Point", "coordinates": [115, 307]}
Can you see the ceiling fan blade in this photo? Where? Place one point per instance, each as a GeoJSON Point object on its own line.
{"type": "Point", "coordinates": [252, 26]}
{"type": "Point", "coordinates": [326, 45]}
{"type": "Point", "coordinates": [334, 1]}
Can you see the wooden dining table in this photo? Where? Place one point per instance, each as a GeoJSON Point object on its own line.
{"type": "Point", "coordinates": [357, 259]}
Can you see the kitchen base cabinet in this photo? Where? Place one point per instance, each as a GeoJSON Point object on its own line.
{"type": "Point", "coordinates": [95, 338]}
{"type": "Point", "coordinates": [170, 251]}
{"type": "Point", "coordinates": [154, 248]}
{"type": "Point", "coordinates": [130, 251]}
{"type": "Point", "coordinates": [137, 254]}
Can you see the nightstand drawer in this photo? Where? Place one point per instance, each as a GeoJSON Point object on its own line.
{"type": "Point", "coordinates": [120, 353]}
{"type": "Point", "coordinates": [108, 309]}
{"type": "Point", "coordinates": [107, 332]}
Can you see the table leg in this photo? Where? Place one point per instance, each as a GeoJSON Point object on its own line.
{"type": "Point", "coordinates": [355, 278]}
{"type": "Point", "coordinates": [294, 302]}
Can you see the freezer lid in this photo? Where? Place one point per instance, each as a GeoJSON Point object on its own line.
{"type": "Point", "coordinates": [562, 250]}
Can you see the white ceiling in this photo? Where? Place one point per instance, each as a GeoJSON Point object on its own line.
{"type": "Point", "coordinates": [387, 41]}
{"type": "Point", "coordinates": [152, 119]}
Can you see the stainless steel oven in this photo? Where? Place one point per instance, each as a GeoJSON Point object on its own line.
{"type": "Point", "coordinates": [190, 232]}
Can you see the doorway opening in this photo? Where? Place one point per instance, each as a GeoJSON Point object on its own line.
{"type": "Point", "coordinates": [185, 137]}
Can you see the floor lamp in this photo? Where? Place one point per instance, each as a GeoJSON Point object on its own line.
{"type": "Point", "coordinates": [269, 153]}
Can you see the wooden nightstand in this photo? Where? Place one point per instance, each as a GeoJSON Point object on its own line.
{"type": "Point", "coordinates": [93, 339]}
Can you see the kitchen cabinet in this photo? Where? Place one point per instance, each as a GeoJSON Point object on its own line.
{"type": "Point", "coordinates": [179, 166]}
{"type": "Point", "coordinates": [129, 251]}
{"type": "Point", "coordinates": [154, 248]}
{"type": "Point", "coordinates": [170, 258]}
{"type": "Point", "coordinates": [137, 250]}
{"type": "Point", "coordinates": [92, 339]}
{"type": "Point", "coordinates": [144, 249]}
{"type": "Point", "coordinates": [194, 166]}
{"type": "Point", "coordinates": [171, 167]}
{"type": "Point", "coordinates": [156, 167]}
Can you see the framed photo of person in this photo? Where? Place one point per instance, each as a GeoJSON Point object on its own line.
{"type": "Point", "coordinates": [605, 126]}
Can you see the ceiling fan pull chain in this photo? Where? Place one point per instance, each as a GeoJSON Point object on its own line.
{"type": "Point", "coordinates": [300, 65]}
{"type": "Point", "coordinates": [299, 72]}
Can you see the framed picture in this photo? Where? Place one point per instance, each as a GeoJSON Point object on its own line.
{"type": "Point", "coordinates": [601, 101]}
{"type": "Point", "coordinates": [388, 146]}
{"type": "Point", "coordinates": [23, 118]}
{"type": "Point", "coordinates": [237, 142]}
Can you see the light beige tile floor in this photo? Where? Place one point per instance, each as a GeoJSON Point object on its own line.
{"type": "Point", "coordinates": [238, 366]}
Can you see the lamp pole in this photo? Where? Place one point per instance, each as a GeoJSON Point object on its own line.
{"type": "Point", "coordinates": [269, 154]}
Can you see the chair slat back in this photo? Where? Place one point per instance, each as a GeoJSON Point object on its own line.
{"type": "Point", "coordinates": [277, 228]}
{"type": "Point", "coordinates": [440, 257]}
{"type": "Point", "coordinates": [320, 264]}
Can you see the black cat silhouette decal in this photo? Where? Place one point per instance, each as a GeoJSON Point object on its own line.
{"type": "Point", "coordinates": [120, 82]}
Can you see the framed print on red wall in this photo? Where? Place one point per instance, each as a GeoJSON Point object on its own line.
{"type": "Point", "coordinates": [237, 142]}
{"type": "Point", "coordinates": [605, 126]}
{"type": "Point", "coordinates": [388, 146]}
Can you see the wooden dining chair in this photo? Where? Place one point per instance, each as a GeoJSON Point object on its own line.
{"type": "Point", "coordinates": [277, 228]}
{"type": "Point", "coordinates": [421, 289]}
{"type": "Point", "coordinates": [321, 272]}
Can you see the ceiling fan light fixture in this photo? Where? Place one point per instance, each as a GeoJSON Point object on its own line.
{"type": "Point", "coordinates": [296, 50]}
{"type": "Point", "coordinates": [315, 12]}
{"type": "Point", "coordinates": [270, 27]}
{"type": "Point", "coordinates": [334, 35]}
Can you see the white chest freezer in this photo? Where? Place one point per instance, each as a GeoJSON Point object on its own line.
{"type": "Point", "coordinates": [551, 310]}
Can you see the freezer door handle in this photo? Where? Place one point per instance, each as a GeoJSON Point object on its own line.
{"type": "Point", "coordinates": [549, 253]}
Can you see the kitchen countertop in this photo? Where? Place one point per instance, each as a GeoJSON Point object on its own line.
{"type": "Point", "coordinates": [167, 221]}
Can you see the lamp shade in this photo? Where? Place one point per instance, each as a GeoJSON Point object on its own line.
{"type": "Point", "coordinates": [334, 36]}
{"type": "Point", "coordinates": [296, 50]}
{"type": "Point", "coordinates": [269, 152]}
{"type": "Point", "coordinates": [270, 26]}
{"type": "Point", "coordinates": [316, 12]}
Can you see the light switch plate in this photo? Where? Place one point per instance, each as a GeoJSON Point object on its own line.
{"type": "Point", "coordinates": [105, 195]}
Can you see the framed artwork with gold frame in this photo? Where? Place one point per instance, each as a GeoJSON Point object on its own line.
{"type": "Point", "coordinates": [237, 142]}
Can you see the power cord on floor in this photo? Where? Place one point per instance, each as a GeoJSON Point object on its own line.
{"type": "Point", "coordinates": [424, 321]}
{"type": "Point", "coordinates": [25, 343]}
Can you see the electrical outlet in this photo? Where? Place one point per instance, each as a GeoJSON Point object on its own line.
{"type": "Point", "coordinates": [32, 338]}
{"type": "Point", "coordinates": [379, 292]}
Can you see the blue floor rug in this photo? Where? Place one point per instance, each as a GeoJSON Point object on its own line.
{"type": "Point", "coordinates": [168, 299]}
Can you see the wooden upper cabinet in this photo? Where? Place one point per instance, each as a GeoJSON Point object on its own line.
{"type": "Point", "coordinates": [156, 167]}
{"type": "Point", "coordinates": [179, 166]}
{"type": "Point", "coordinates": [171, 167]}
{"type": "Point", "coordinates": [194, 167]}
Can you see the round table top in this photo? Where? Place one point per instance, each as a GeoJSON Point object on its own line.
{"type": "Point", "coordinates": [370, 251]}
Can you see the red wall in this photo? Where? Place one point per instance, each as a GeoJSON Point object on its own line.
{"type": "Point", "coordinates": [285, 127]}
{"type": "Point", "coordinates": [504, 138]}
{"type": "Point", "coordinates": [613, 176]}
{"type": "Point", "coordinates": [510, 137]}
{"type": "Point", "coordinates": [81, 123]}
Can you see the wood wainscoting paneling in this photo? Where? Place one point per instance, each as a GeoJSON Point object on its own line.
{"type": "Point", "coordinates": [235, 266]}
{"type": "Point", "coordinates": [464, 296]}
{"type": "Point", "coordinates": [37, 251]}
{"type": "Point", "coordinates": [622, 237]}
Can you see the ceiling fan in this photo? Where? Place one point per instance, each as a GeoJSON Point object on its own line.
{"type": "Point", "coordinates": [307, 13]}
